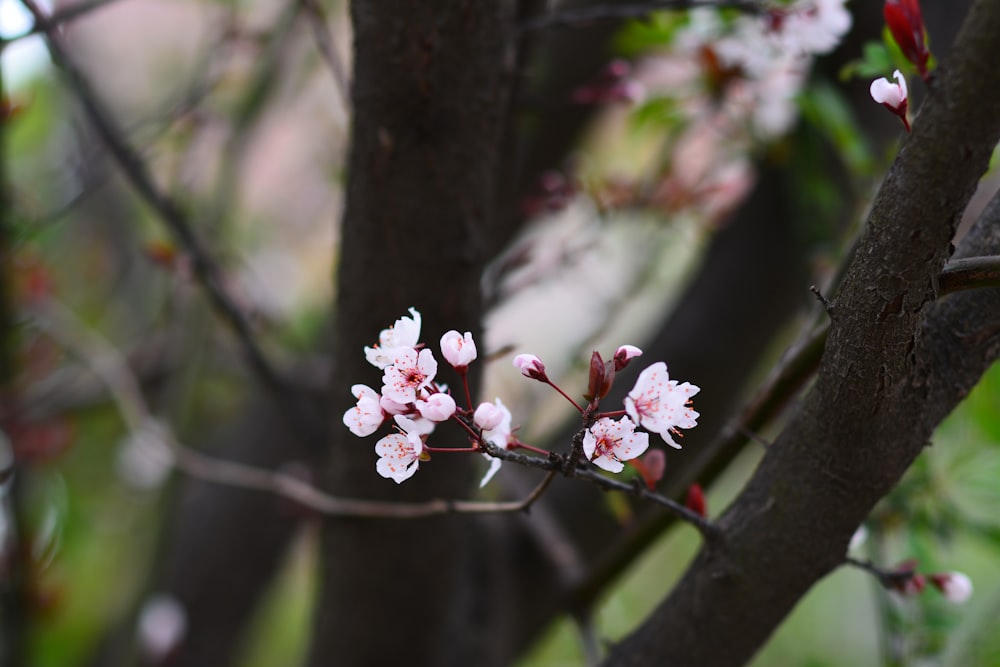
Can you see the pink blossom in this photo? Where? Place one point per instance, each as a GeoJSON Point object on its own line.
{"type": "Point", "coordinates": [499, 433]}
{"type": "Point", "coordinates": [893, 96]}
{"type": "Point", "coordinates": [392, 407]}
{"type": "Point", "coordinates": [438, 407]}
{"type": "Point", "coordinates": [399, 453]}
{"type": "Point", "coordinates": [408, 373]}
{"type": "Point", "coordinates": [458, 350]}
{"type": "Point", "coordinates": [609, 442]}
{"type": "Point", "coordinates": [660, 404]}
{"type": "Point", "coordinates": [815, 26]}
{"type": "Point", "coordinates": [365, 417]}
{"type": "Point", "coordinates": [955, 586]}
{"type": "Point", "coordinates": [487, 416]}
{"type": "Point", "coordinates": [405, 333]}
{"type": "Point", "coordinates": [494, 419]}
{"type": "Point", "coordinates": [530, 367]}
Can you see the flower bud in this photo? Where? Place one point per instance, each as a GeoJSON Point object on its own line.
{"type": "Point", "coordinates": [625, 354]}
{"type": "Point", "coordinates": [531, 367]}
{"type": "Point", "coordinates": [438, 407]}
{"type": "Point", "coordinates": [893, 96]}
{"type": "Point", "coordinates": [906, 25]}
{"type": "Point", "coordinates": [955, 586]}
{"type": "Point", "coordinates": [695, 500]}
{"type": "Point", "coordinates": [905, 580]}
{"type": "Point", "coordinates": [459, 350]}
{"type": "Point", "coordinates": [487, 416]}
{"type": "Point", "coordinates": [601, 377]}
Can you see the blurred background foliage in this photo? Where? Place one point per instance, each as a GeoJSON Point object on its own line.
{"type": "Point", "coordinates": [240, 120]}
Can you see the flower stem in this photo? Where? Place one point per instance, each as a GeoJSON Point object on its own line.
{"type": "Point", "coordinates": [564, 395]}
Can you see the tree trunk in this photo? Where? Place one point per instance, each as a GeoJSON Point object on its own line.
{"type": "Point", "coordinates": [429, 94]}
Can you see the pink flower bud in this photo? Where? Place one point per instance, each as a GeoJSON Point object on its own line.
{"type": "Point", "coordinates": [893, 96]}
{"type": "Point", "coordinates": [438, 407]}
{"type": "Point", "coordinates": [459, 350]}
{"type": "Point", "coordinates": [955, 586]}
{"type": "Point", "coordinates": [625, 354]}
{"type": "Point", "coordinates": [531, 367]}
{"type": "Point", "coordinates": [487, 416]}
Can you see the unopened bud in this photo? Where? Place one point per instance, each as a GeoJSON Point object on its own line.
{"type": "Point", "coordinates": [695, 500]}
{"type": "Point", "coordinates": [531, 367]}
{"type": "Point", "coordinates": [625, 354]}
{"type": "Point", "coordinates": [955, 586]}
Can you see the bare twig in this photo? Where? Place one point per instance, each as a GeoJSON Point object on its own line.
{"type": "Point", "coordinates": [969, 273]}
{"type": "Point", "coordinates": [204, 267]}
{"type": "Point", "coordinates": [61, 17]}
{"type": "Point", "coordinates": [111, 367]}
{"type": "Point", "coordinates": [827, 305]}
{"type": "Point", "coordinates": [327, 50]}
{"type": "Point", "coordinates": [707, 529]}
{"type": "Point", "coordinates": [586, 15]}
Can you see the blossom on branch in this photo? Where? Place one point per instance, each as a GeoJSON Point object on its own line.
{"type": "Point", "coordinates": [405, 333]}
{"type": "Point", "coordinates": [458, 350]}
{"type": "Point", "coordinates": [660, 404]}
{"type": "Point", "coordinates": [955, 586]}
{"type": "Point", "coordinates": [609, 442]}
{"type": "Point", "coordinates": [531, 367]}
{"type": "Point", "coordinates": [399, 453]}
{"type": "Point", "coordinates": [893, 96]}
{"type": "Point", "coordinates": [365, 417]}
{"type": "Point", "coordinates": [410, 371]}
{"type": "Point", "coordinates": [437, 407]}
{"type": "Point", "coordinates": [494, 419]}
{"type": "Point", "coordinates": [813, 26]}
{"type": "Point", "coordinates": [625, 354]}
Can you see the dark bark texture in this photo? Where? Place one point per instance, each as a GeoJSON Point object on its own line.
{"type": "Point", "coordinates": [429, 95]}
{"type": "Point", "coordinates": [886, 380]}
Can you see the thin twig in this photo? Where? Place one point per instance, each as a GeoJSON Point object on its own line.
{"type": "Point", "coordinates": [203, 265]}
{"type": "Point", "coordinates": [64, 327]}
{"type": "Point", "coordinates": [571, 18]}
{"type": "Point", "coordinates": [704, 526]}
{"type": "Point", "coordinates": [328, 51]}
{"type": "Point", "coordinates": [969, 273]}
{"type": "Point", "coordinates": [61, 17]}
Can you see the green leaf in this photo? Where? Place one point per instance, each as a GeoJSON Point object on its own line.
{"type": "Point", "coordinates": [657, 31]}
{"type": "Point", "coordinates": [876, 60]}
{"type": "Point", "coordinates": [656, 112]}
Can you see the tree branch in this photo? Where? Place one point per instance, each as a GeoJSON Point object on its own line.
{"type": "Point", "coordinates": [885, 382]}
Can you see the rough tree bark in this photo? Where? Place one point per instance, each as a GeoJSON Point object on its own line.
{"type": "Point", "coordinates": [886, 380]}
{"type": "Point", "coordinates": [428, 96]}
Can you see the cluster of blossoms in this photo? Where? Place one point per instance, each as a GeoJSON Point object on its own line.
{"type": "Point", "coordinates": [412, 399]}
{"type": "Point", "coordinates": [761, 60]}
